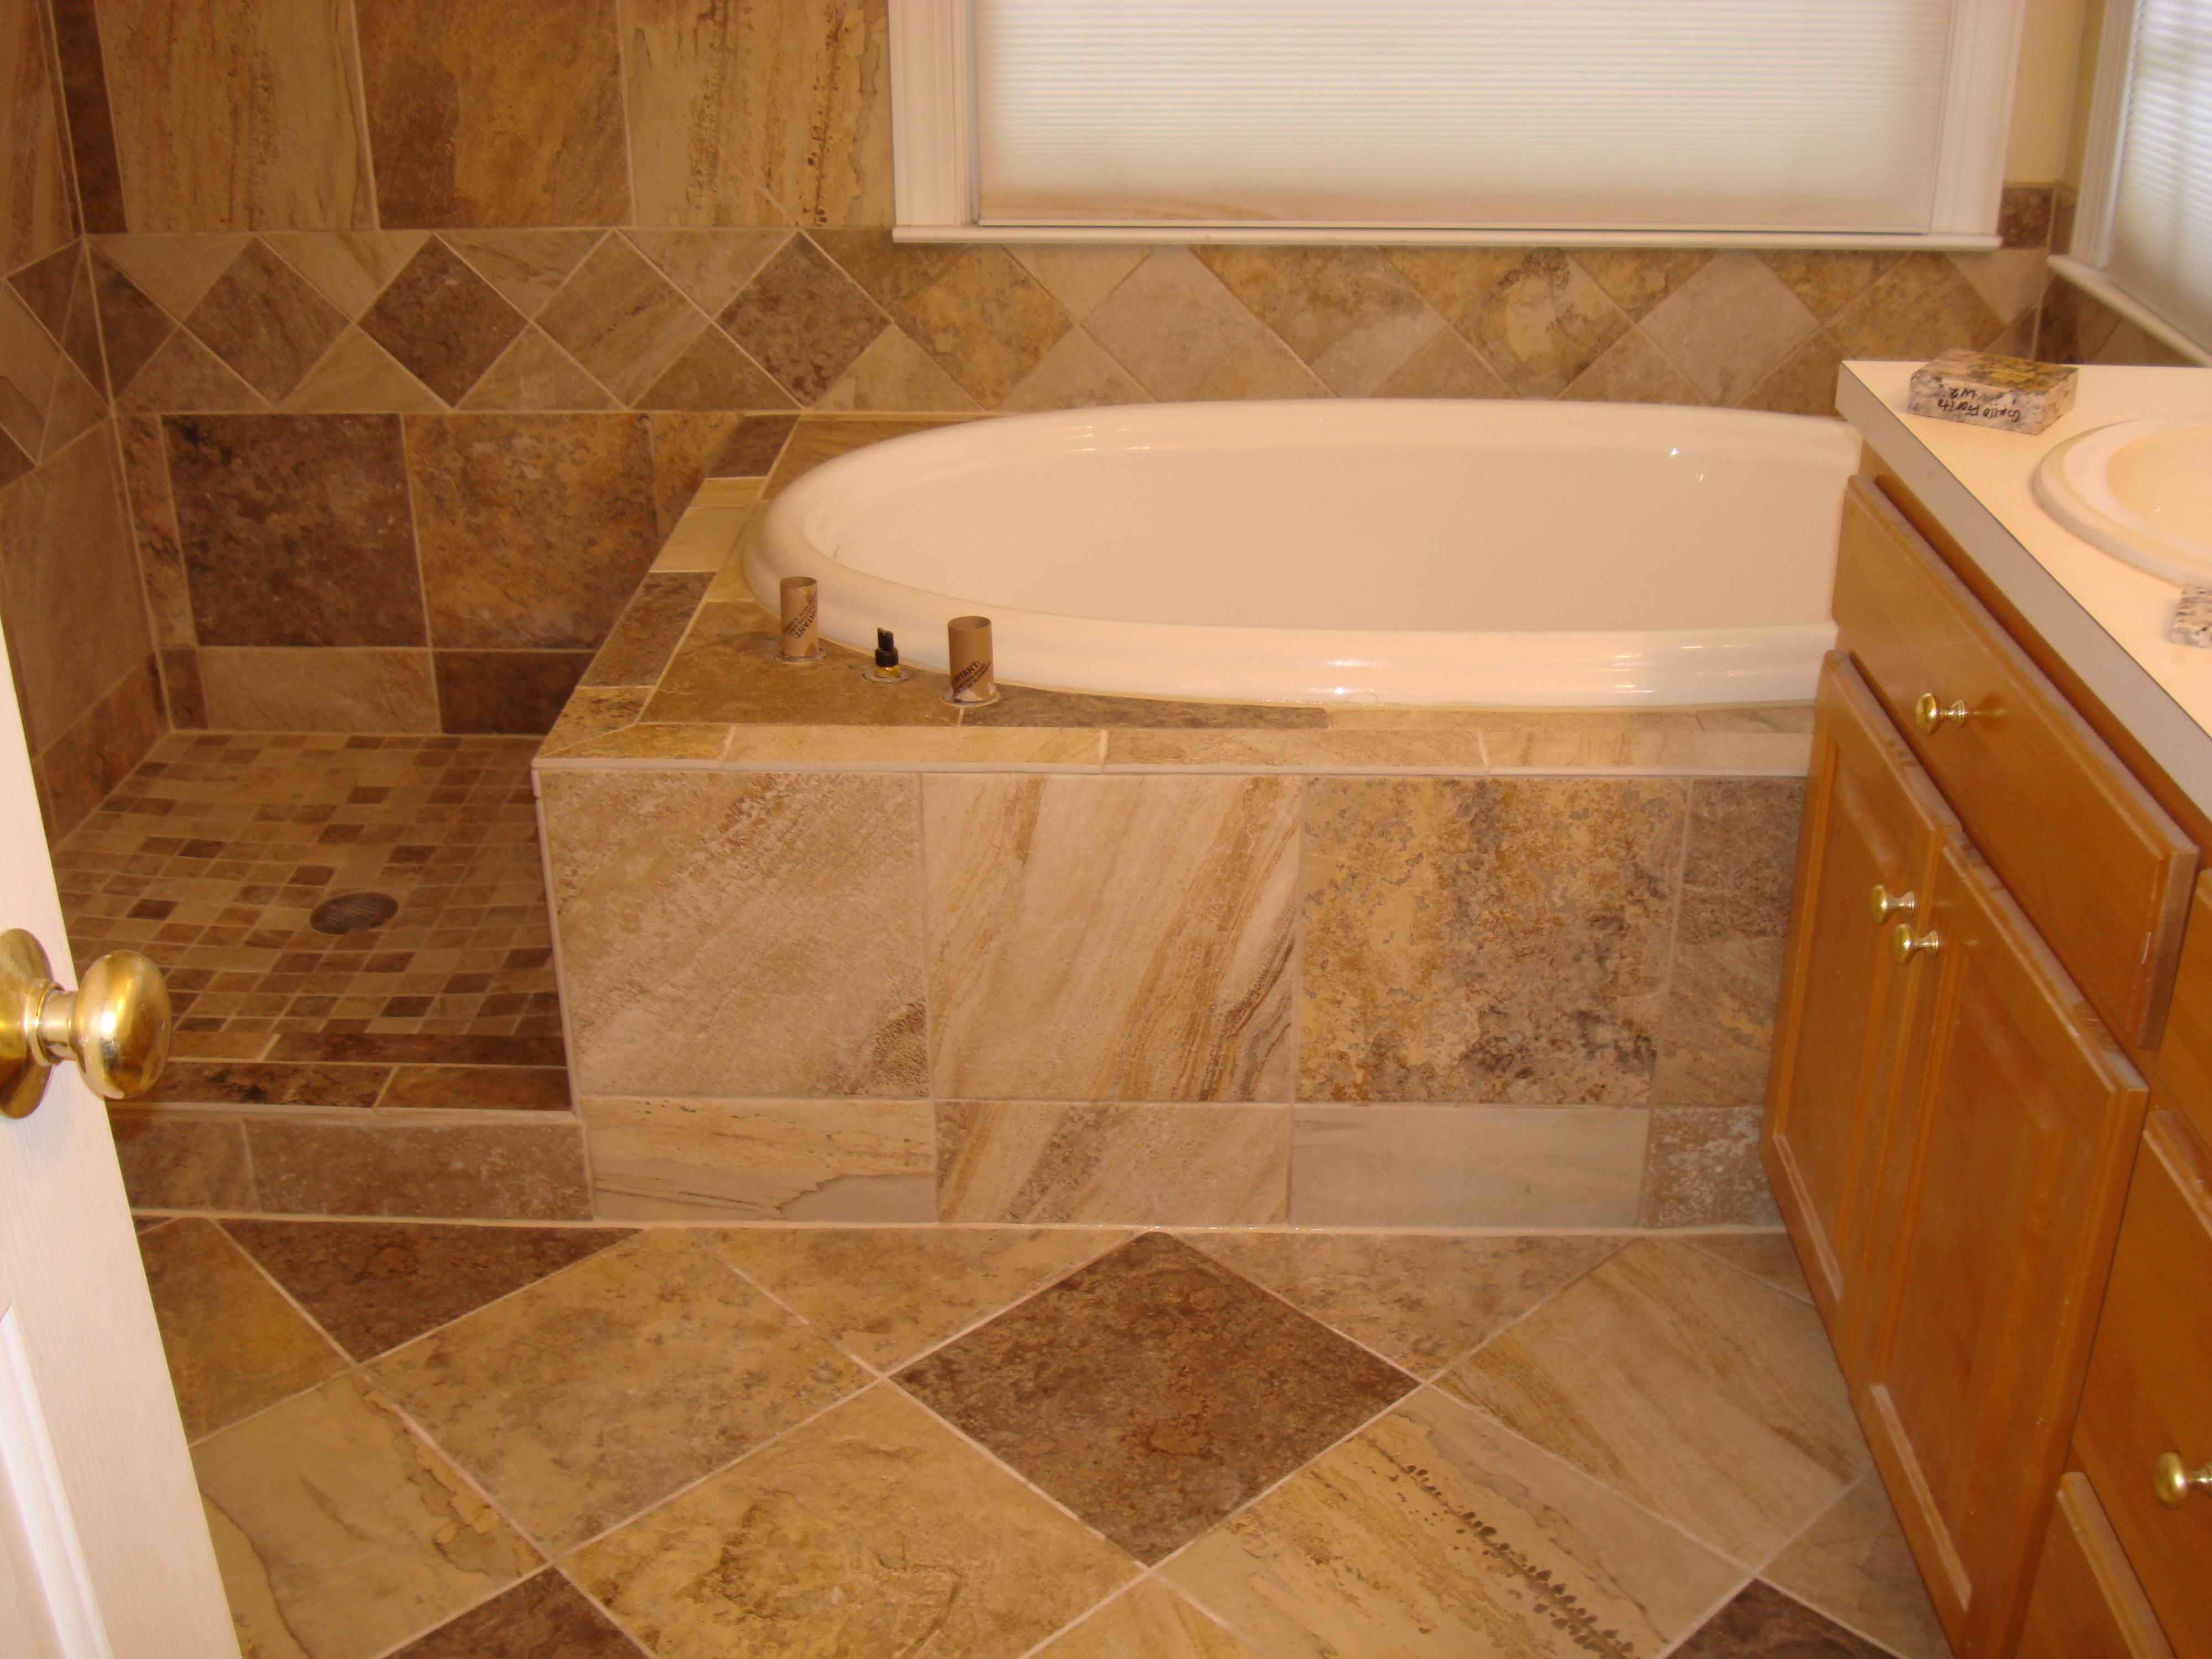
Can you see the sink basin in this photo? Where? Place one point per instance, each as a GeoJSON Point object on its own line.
{"type": "Point", "coordinates": [2140, 489]}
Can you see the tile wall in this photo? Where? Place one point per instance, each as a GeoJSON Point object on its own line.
{"type": "Point", "coordinates": [422, 328]}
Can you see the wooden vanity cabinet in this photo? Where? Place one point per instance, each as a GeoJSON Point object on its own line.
{"type": "Point", "coordinates": [2086, 1603]}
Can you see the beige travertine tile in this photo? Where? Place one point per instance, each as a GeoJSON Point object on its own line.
{"type": "Point", "coordinates": [696, 745]}
{"type": "Point", "coordinates": [1631, 370]}
{"type": "Point", "coordinates": [593, 711]}
{"type": "Point", "coordinates": [1779, 717]}
{"type": "Point", "coordinates": [534, 373]}
{"type": "Point", "coordinates": [707, 533]}
{"type": "Point", "coordinates": [1180, 1165]}
{"type": "Point", "coordinates": [1702, 1393]}
{"type": "Point", "coordinates": [339, 1532]}
{"type": "Point", "coordinates": [1825, 281]}
{"type": "Point", "coordinates": [285, 149]}
{"type": "Point", "coordinates": [510, 1171]}
{"type": "Point", "coordinates": [622, 319]}
{"type": "Point", "coordinates": [1803, 383]}
{"type": "Point", "coordinates": [1076, 374]}
{"type": "Point", "coordinates": [1429, 1532]}
{"type": "Point", "coordinates": [711, 374]}
{"type": "Point", "coordinates": [1419, 1300]}
{"type": "Point", "coordinates": [175, 272]}
{"type": "Point", "coordinates": [1566, 741]}
{"type": "Point", "coordinates": [871, 1529]}
{"type": "Point", "coordinates": [886, 1293]}
{"type": "Point", "coordinates": [1466, 1166]}
{"type": "Point", "coordinates": [234, 1345]}
{"type": "Point", "coordinates": [526, 266]}
{"type": "Point", "coordinates": [1543, 325]}
{"type": "Point", "coordinates": [987, 320]}
{"type": "Point", "coordinates": [1348, 314]}
{"type": "Point", "coordinates": [762, 1160]}
{"type": "Point", "coordinates": [1079, 275]}
{"type": "Point", "coordinates": [1729, 324]}
{"type": "Point", "coordinates": [349, 268]}
{"type": "Point", "coordinates": [1919, 308]}
{"type": "Point", "coordinates": [358, 376]}
{"type": "Point", "coordinates": [908, 748]}
{"type": "Point", "coordinates": [728, 934]}
{"type": "Point", "coordinates": [319, 688]}
{"type": "Point", "coordinates": [1457, 280]}
{"type": "Point", "coordinates": [1854, 1564]}
{"type": "Point", "coordinates": [1638, 278]}
{"type": "Point", "coordinates": [893, 374]}
{"type": "Point", "coordinates": [182, 1160]}
{"type": "Point", "coordinates": [603, 1388]}
{"type": "Point", "coordinates": [1447, 366]}
{"type": "Point", "coordinates": [1500, 939]}
{"type": "Point", "coordinates": [35, 193]}
{"type": "Point", "coordinates": [1770, 1256]}
{"type": "Point", "coordinates": [1262, 366]}
{"type": "Point", "coordinates": [1149, 1621]}
{"type": "Point", "coordinates": [760, 111]}
{"type": "Point", "coordinates": [1383, 750]}
{"type": "Point", "coordinates": [710, 267]}
{"type": "Point", "coordinates": [1702, 1170]}
{"type": "Point", "coordinates": [2009, 280]}
{"type": "Point", "coordinates": [185, 375]}
{"type": "Point", "coordinates": [1171, 323]}
{"type": "Point", "coordinates": [1111, 937]}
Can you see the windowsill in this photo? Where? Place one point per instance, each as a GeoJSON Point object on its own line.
{"type": "Point", "coordinates": [2101, 288]}
{"type": "Point", "coordinates": [1439, 236]}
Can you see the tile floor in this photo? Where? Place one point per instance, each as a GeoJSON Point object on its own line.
{"type": "Point", "coordinates": [458, 1442]}
{"type": "Point", "coordinates": [211, 856]}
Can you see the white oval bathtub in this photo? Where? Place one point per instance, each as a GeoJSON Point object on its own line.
{"type": "Point", "coordinates": [1556, 555]}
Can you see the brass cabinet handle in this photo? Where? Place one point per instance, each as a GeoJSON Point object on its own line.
{"type": "Point", "coordinates": [1929, 714]}
{"type": "Point", "coordinates": [1904, 943]}
{"type": "Point", "coordinates": [115, 1025]}
{"type": "Point", "coordinates": [2173, 1481]}
{"type": "Point", "coordinates": [1885, 904]}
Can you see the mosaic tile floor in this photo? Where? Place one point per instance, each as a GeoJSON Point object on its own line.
{"type": "Point", "coordinates": [214, 853]}
{"type": "Point", "coordinates": [996, 1442]}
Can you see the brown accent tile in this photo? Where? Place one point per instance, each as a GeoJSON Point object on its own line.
{"type": "Point", "coordinates": [802, 320]}
{"type": "Point", "coordinates": [266, 322]}
{"type": "Point", "coordinates": [265, 1084]}
{"type": "Point", "coordinates": [234, 1345]}
{"type": "Point", "coordinates": [178, 1161]}
{"type": "Point", "coordinates": [760, 113]}
{"type": "Point", "coordinates": [65, 560]}
{"type": "Point", "coordinates": [622, 319]}
{"type": "Point", "coordinates": [373, 1285]}
{"type": "Point", "coordinates": [2024, 215]}
{"type": "Point", "coordinates": [645, 637]}
{"type": "Point", "coordinates": [29, 360]}
{"type": "Point", "coordinates": [985, 321]}
{"type": "Point", "coordinates": [182, 376]}
{"type": "Point", "coordinates": [752, 447]}
{"type": "Point", "coordinates": [96, 752]}
{"type": "Point", "coordinates": [295, 529]}
{"type": "Point", "coordinates": [357, 376]}
{"type": "Point", "coordinates": [1420, 1301]}
{"type": "Point", "coordinates": [77, 406]}
{"type": "Point", "coordinates": [44, 287]}
{"type": "Point", "coordinates": [476, 123]}
{"type": "Point", "coordinates": [1920, 307]}
{"type": "Point", "coordinates": [684, 444]}
{"type": "Point", "coordinates": [1456, 281]}
{"type": "Point", "coordinates": [724, 671]}
{"type": "Point", "coordinates": [1544, 323]}
{"type": "Point", "coordinates": [349, 268]}
{"type": "Point", "coordinates": [1063, 964]}
{"type": "Point", "coordinates": [317, 688]}
{"type": "Point", "coordinates": [687, 1368]}
{"type": "Point", "coordinates": [487, 491]}
{"type": "Point", "coordinates": [35, 197]}
{"type": "Point", "coordinates": [283, 148]}
{"type": "Point", "coordinates": [535, 373]}
{"type": "Point", "coordinates": [174, 271]}
{"type": "Point", "coordinates": [873, 1529]}
{"type": "Point", "coordinates": [834, 1009]}
{"type": "Point", "coordinates": [709, 266]}
{"type": "Point", "coordinates": [1763, 1620]}
{"type": "Point", "coordinates": [1825, 281]}
{"type": "Point", "coordinates": [526, 266]}
{"type": "Point", "coordinates": [93, 168]}
{"type": "Point", "coordinates": [395, 1048]}
{"type": "Point", "coordinates": [80, 334]}
{"type": "Point", "coordinates": [154, 518]}
{"type": "Point", "coordinates": [502, 1172]}
{"type": "Point", "coordinates": [519, 691]}
{"type": "Point", "coordinates": [539, 1619]}
{"type": "Point", "coordinates": [711, 374]}
{"type": "Point", "coordinates": [1518, 955]}
{"type": "Point", "coordinates": [442, 321]}
{"type": "Point", "coordinates": [14, 463]}
{"type": "Point", "coordinates": [1198, 1391]}
{"type": "Point", "coordinates": [340, 1532]}
{"type": "Point", "coordinates": [1702, 1170]}
{"type": "Point", "coordinates": [1166, 1165]}
{"type": "Point", "coordinates": [1638, 278]}
{"type": "Point", "coordinates": [480, 1088]}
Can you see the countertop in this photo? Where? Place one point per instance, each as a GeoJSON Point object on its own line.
{"type": "Point", "coordinates": [2106, 619]}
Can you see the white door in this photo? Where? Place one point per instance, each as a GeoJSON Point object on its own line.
{"type": "Point", "coordinates": [104, 1550]}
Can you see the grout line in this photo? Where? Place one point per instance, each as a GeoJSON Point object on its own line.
{"type": "Point", "coordinates": [605, 1612]}
{"type": "Point", "coordinates": [921, 792]}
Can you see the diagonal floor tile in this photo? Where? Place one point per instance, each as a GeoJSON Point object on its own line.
{"type": "Point", "coordinates": [541, 1618]}
{"type": "Point", "coordinates": [1703, 1393]}
{"type": "Point", "coordinates": [1762, 1623]}
{"type": "Point", "coordinates": [1854, 1564]}
{"type": "Point", "coordinates": [1155, 1391]}
{"type": "Point", "coordinates": [1770, 1256]}
{"type": "Point", "coordinates": [375, 1284]}
{"type": "Point", "coordinates": [1149, 1622]}
{"type": "Point", "coordinates": [1432, 1533]}
{"type": "Point", "coordinates": [599, 1390]}
{"type": "Point", "coordinates": [1418, 1300]}
{"type": "Point", "coordinates": [886, 1293]}
{"type": "Point", "coordinates": [871, 1531]}
{"type": "Point", "coordinates": [234, 1345]}
{"type": "Point", "coordinates": [339, 1533]}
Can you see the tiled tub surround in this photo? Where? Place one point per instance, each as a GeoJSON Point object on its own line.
{"type": "Point", "coordinates": [834, 951]}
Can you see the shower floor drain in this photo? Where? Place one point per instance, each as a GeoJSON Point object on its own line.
{"type": "Point", "coordinates": [352, 913]}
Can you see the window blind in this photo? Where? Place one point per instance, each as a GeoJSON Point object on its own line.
{"type": "Point", "coordinates": [1790, 115]}
{"type": "Point", "coordinates": [2161, 216]}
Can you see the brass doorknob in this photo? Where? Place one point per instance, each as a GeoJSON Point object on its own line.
{"type": "Point", "coordinates": [115, 1025]}
{"type": "Point", "coordinates": [2173, 1481]}
{"type": "Point", "coordinates": [1929, 714]}
{"type": "Point", "coordinates": [1904, 944]}
{"type": "Point", "coordinates": [1886, 904]}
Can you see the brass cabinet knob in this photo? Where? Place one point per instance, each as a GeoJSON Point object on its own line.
{"type": "Point", "coordinates": [1904, 944]}
{"type": "Point", "coordinates": [1886, 904]}
{"type": "Point", "coordinates": [2173, 1481]}
{"type": "Point", "coordinates": [1929, 714]}
{"type": "Point", "coordinates": [115, 1025]}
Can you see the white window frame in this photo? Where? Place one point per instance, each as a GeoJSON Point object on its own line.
{"type": "Point", "coordinates": [2084, 261]}
{"type": "Point", "coordinates": [935, 185]}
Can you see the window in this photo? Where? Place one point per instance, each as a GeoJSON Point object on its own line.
{"type": "Point", "coordinates": [2142, 240]}
{"type": "Point", "coordinates": [1806, 122]}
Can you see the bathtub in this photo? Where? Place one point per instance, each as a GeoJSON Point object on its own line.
{"type": "Point", "coordinates": [1483, 553]}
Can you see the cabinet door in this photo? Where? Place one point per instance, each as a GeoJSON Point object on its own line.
{"type": "Point", "coordinates": [2085, 1603]}
{"type": "Point", "coordinates": [1872, 820]}
{"type": "Point", "coordinates": [2000, 1190]}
